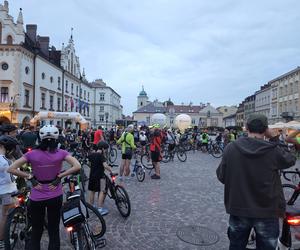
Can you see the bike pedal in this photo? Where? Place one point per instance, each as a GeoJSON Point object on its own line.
{"type": "Point", "coordinates": [100, 243]}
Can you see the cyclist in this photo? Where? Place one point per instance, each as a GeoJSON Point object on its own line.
{"type": "Point", "coordinates": [128, 146]}
{"type": "Point", "coordinates": [204, 139]}
{"type": "Point", "coordinates": [29, 139]}
{"type": "Point", "coordinates": [143, 141]}
{"type": "Point", "coordinates": [155, 148]}
{"type": "Point", "coordinates": [97, 180]}
{"type": "Point", "coordinates": [46, 193]}
{"type": "Point", "coordinates": [7, 185]}
{"type": "Point", "coordinates": [98, 136]}
{"type": "Point", "coordinates": [171, 140]}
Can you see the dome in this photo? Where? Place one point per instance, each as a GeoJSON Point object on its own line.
{"type": "Point", "coordinates": [168, 103]}
{"type": "Point", "coordinates": [143, 92]}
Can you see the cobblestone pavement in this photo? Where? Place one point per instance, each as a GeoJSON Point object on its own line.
{"type": "Point", "coordinates": [187, 194]}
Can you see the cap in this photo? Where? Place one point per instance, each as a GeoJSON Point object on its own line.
{"type": "Point", "coordinates": [257, 120]}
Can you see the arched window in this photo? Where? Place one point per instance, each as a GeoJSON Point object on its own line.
{"type": "Point", "coordinates": [9, 39]}
{"type": "Point", "coordinates": [0, 33]}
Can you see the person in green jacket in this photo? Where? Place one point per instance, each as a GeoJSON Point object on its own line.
{"type": "Point", "coordinates": [128, 146]}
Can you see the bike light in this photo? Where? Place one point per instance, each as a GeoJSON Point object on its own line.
{"type": "Point", "coordinates": [20, 199]}
{"type": "Point", "coordinates": [29, 149]}
{"type": "Point", "coordinates": [69, 229]}
{"type": "Point", "coordinates": [113, 178]}
{"type": "Point", "coordinates": [294, 221]}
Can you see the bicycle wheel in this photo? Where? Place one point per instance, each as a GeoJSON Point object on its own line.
{"type": "Point", "coordinates": [122, 201]}
{"type": "Point", "coordinates": [290, 195]}
{"type": "Point", "coordinates": [140, 174]}
{"type": "Point", "coordinates": [165, 156]}
{"type": "Point", "coordinates": [112, 155]}
{"type": "Point", "coordinates": [95, 221]}
{"type": "Point", "coordinates": [181, 155]}
{"type": "Point", "coordinates": [146, 161]}
{"type": "Point", "coordinates": [217, 151]}
{"type": "Point", "coordinates": [83, 243]}
{"type": "Point", "coordinates": [15, 231]}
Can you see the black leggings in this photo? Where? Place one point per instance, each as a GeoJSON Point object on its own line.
{"type": "Point", "coordinates": [37, 211]}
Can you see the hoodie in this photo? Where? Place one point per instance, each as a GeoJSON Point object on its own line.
{"type": "Point", "coordinates": [249, 171]}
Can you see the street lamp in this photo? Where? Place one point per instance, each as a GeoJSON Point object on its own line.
{"type": "Point", "coordinates": [106, 118]}
{"type": "Point", "coordinates": [12, 106]}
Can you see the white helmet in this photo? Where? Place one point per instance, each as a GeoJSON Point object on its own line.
{"type": "Point", "coordinates": [49, 132]}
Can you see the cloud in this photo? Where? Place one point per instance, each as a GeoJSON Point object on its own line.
{"type": "Point", "coordinates": [193, 50]}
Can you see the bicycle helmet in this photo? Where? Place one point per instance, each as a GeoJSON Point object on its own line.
{"type": "Point", "coordinates": [8, 142]}
{"type": "Point", "coordinates": [49, 132]}
{"type": "Point", "coordinates": [102, 145]}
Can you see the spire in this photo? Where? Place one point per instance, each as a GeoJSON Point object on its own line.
{"type": "Point", "coordinates": [6, 5]}
{"type": "Point", "coordinates": [71, 38]}
{"type": "Point", "coordinates": [20, 17]}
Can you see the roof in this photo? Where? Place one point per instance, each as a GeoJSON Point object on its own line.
{"type": "Point", "coordinates": [152, 108]}
{"type": "Point", "coordinates": [286, 74]}
{"type": "Point", "coordinates": [143, 92]}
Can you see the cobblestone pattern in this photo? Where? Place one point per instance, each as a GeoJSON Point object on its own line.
{"type": "Point", "coordinates": [187, 194]}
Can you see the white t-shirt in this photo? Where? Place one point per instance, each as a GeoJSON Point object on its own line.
{"type": "Point", "coordinates": [7, 184]}
{"type": "Point", "coordinates": [143, 137]}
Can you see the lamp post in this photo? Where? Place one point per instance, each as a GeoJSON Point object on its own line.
{"type": "Point", "coordinates": [12, 106]}
{"type": "Point", "coordinates": [106, 118]}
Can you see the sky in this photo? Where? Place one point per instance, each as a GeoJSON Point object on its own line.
{"type": "Point", "coordinates": [190, 51]}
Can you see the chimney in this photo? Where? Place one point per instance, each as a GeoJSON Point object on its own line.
{"type": "Point", "coordinates": [31, 31]}
{"type": "Point", "coordinates": [44, 44]}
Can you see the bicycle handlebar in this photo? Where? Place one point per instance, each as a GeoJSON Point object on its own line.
{"type": "Point", "coordinates": [113, 165]}
{"type": "Point", "coordinates": [284, 173]}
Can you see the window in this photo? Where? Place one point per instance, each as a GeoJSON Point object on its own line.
{"type": "Point", "coordinates": [72, 88]}
{"type": "Point", "coordinates": [51, 79]}
{"type": "Point", "coordinates": [291, 88]}
{"type": "Point", "coordinates": [58, 103]}
{"type": "Point", "coordinates": [101, 108]}
{"type": "Point", "coordinates": [4, 94]}
{"type": "Point", "coordinates": [58, 83]}
{"type": "Point", "coordinates": [51, 102]}
{"type": "Point", "coordinates": [88, 96]}
{"type": "Point", "coordinates": [76, 90]}
{"type": "Point", "coordinates": [27, 70]}
{"type": "Point", "coordinates": [80, 92]}
{"type": "Point", "coordinates": [84, 94]}
{"type": "Point", "coordinates": [43, 75]}
{"type": "Point", "coordinates": [296, 87]}
{"type": "Point", "coordinates": [26, 99]}
{"type": "Point", "coordinates": [274, 93]}
{"type": "Point", "coordinates": [4, 66]}
{"type": "Point", "coordinates": [102, 95]}
{"type": "Point", "coordinates": [193, 121]}
{"type": "Point", "coordinates": [0, 33]}
{"type": "Point", "coordinates": [43, 99]}
{"type": "Point", "coordinates": [9, 40]}
{"type": "Point", "coordinates": [101, 118]}
{"type": "Point", "coordinates": [67, 91]}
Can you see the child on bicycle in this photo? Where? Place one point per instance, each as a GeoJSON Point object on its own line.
{"type": "Point", "coordinates": [7, 185]}
{"type": "Point", "coordinates": [97, 180]}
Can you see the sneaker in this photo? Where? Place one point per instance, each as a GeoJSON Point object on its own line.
{"type": "Point", "coordinates": [154, 176]}
{"type": "Point", "coordinates": [103, 211]}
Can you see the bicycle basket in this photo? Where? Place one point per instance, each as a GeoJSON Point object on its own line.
{"type": "Point", "coordinates": [71, 212]}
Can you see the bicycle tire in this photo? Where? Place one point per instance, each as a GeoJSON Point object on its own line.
{"type": "Point", "coordinates": [122, 197]}
{"type": "Point", "coordinates": [181, 155]}
{"type": "Point", "coordinates": [289, 192]}
{"type": "Point", "coordinates": [165, 157]}
{"type": "Point", "coordinates": [112, 155]}
{"type": "Point", "coordinates": [83, 243]}
{"type": "Point", "coordinates": [140, 174]}
{"type": "Point", "coordinates": [95, 222]}
{"type": "Point", "coordinates": [20, 238]}
{"type": "Point", "coordinates": [146, 161]}
{"type": "Point", "coordinates": [217, 151]}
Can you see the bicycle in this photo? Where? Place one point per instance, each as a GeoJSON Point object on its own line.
{"type": "Point", "coordinates": [112, 154]}
{"type": "Point", "coordinates": [119, 194]}
{"type": "Point", "coordinates": [17, 232]}
{"type": "Point", "coordinates": [169, 155]}
{"type": "Point", "coordinates": [138, 169]}
{"type": "Point", "coordinates": [84, 223]}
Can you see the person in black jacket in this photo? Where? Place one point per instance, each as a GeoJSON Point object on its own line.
{"type": "Point", "coordinates": [253, 194]}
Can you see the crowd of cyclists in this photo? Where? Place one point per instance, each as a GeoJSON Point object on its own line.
{"type": "Point", "coordinates": [45, 149]}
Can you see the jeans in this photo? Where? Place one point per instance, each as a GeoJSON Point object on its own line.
{"type": "Point", "coordinates": [37, 211]}
{"type": "Point", "coordinates": [267, 232]}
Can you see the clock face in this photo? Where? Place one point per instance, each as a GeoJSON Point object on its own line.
{"type": "Point", "coordinates": [4, 66]}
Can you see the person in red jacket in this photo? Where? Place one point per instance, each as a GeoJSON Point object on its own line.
{"type": "Point", "coordinates": [155, 148]}
{"type": "Point", "coordinates": [98, 136]}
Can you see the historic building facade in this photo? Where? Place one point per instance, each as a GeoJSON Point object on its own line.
{"type": "Point", "coordinates": [202, 115]}
{"type": "Point", "coordinates": [34, 77]}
